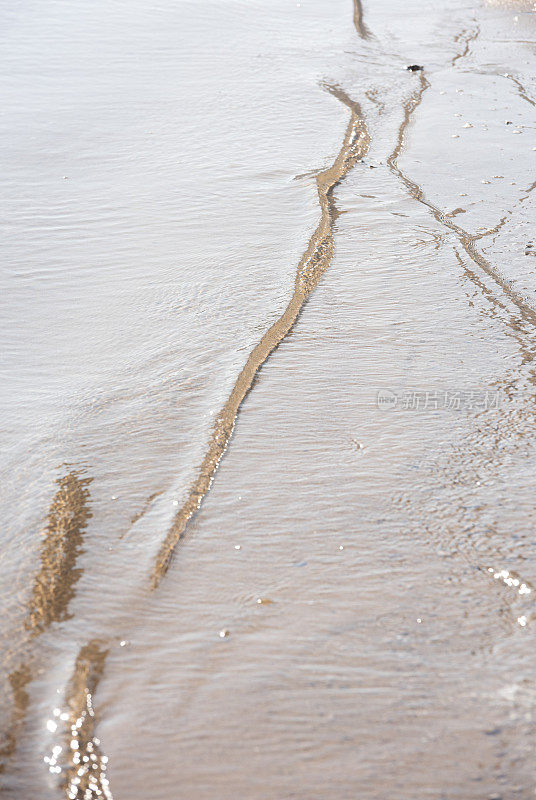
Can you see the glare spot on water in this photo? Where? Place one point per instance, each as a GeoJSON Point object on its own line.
{"type": "Point", "coordinates": [84, 767]}
{"type": "Point", "coordinates": [510, 580]}
{"type": "Point", "coordinates": [517, 585]}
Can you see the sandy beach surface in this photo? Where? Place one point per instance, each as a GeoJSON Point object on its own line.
{"type": "Point", "coordinates": [268, 400]}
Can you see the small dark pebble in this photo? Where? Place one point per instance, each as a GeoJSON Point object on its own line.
{"type": "Point", "coordinates": [493, 732]}
{"type": "Point", "coordinates": [414, 68]}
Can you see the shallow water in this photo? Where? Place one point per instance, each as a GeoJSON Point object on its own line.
{"type": "Point", "coordinates": [351, 610]}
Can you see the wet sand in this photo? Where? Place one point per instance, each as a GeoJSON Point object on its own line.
{"type": "Point", "coordinates": [301, 565]}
